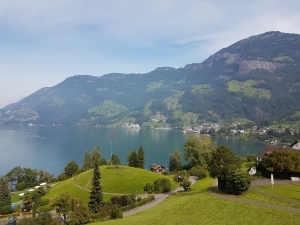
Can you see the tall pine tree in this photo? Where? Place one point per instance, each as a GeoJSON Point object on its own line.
{"type": "Point", "coordinates": [96, 195]}
{"type": "Point", "coordinates": [141, 158]}
{"type": "Point", "coordinates": [5, 199]}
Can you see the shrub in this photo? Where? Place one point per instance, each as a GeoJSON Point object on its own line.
{"type": "Point", "coordinates": [240, 183]}
{"type": "Point", "coordinates": [162, 185]}
{"type": "Point", "coordinates": [139, 203]}
{"type": "Point", "coordinates": [251, 158]}
{"type": "Point", "coordinates": [123, 200]}
{"type": "Point", "coordinates": [116, 212]}
{"type": "Point", "coordinates": [44, 202]}
{"type": "Point", "coordinates": [235, 183]}
{"type": "Point", "coordinates": [148, 187]}
{"type": "Point", "coordinates": [6, 209]}
{"type": "Point", "coordinates": [104, 212]}
{"type": "Point", "coordinates": [198, 171]}
{"type": "Point", "coordinates": [166, 173]}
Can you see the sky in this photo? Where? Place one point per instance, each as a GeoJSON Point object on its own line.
{"type": "Point", "coordinates": [44, 42]}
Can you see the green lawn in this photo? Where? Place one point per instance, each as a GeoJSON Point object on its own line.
{"type": "Point", "coordinates": [290, 191]}
{"type": "Point", "coordinates": [259, 197]}
{"type": "Point", "coordinates": [201, 207]}
{"type": "Point", "coordinates": [125, 180]}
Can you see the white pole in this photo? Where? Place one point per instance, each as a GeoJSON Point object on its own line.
{"type": "Point", "coordinates": [110, 151]}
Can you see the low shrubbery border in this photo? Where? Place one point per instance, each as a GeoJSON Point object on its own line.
{"type": "Point", "coordinates": [144, 201]}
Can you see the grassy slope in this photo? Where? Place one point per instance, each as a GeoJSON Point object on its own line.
{"type": "Point", "coordinates": [290, 191]}
{"type": "Point", "coordinates": [247, 89]}
{"type": "Point", "coordinates": [201, 207]}
{"type": "Point", "coordinates": [125, 180]}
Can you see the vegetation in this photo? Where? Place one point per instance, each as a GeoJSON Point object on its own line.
{"type": "Point", "coordinates": [175, 163]}
{"type": "Point", "coordinates": [96, 196]}
{"type": "Point", "coordinates": [223, 164]}
{"type": "Point", "coordinates": [5, 199]}
{"type": "Point", "coordinates": [283, 164]}
{"type": "Point", "coordinates": [182, 177]}
{"type": "Point", "coordinates": [188, 206]}
{"type": "Point", "coordinates": [197, 151]}
{"type": "Point", "coordinates": [136, 158]}
{"type": "Point", "coordinates": [162, 185]}
{"type": "Point", "coordinates": [24, 178]}
{"type": "Point", "coordinates": [247, 88]}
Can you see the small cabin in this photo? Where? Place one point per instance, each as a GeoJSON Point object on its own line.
{"type": "Point", "coordinates": [157, 168]}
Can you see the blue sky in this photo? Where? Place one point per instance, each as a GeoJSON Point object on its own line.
{"type": "Point", "coordinates": [44, 42]}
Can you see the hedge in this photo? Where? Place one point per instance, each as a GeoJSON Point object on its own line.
{"type": "Point", "coordinates": [150, 198]}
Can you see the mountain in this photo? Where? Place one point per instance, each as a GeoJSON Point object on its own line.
{"type": "Point", "coordinates": [257, 77]}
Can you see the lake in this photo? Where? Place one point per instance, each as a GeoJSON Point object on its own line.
{"type": "Point", "coordinates": [51, 148]}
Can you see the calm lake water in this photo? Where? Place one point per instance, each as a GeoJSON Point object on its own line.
{"type": "Point", "coordinates": [51, 148]}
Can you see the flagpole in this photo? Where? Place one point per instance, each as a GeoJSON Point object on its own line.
{"type": "Point", "coordinates": [111, 137]}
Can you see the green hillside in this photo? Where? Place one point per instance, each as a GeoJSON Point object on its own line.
{"type": "Point", "coordinates": [254, 78]}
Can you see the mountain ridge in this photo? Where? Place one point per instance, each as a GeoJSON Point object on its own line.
{"type": "Point", "coordinates": [242, 80]}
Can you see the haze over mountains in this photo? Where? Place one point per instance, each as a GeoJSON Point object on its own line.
{"type": "Point", "coordinates": [258, 77]}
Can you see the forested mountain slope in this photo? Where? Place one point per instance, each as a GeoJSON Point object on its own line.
{"type": "Point", "coordinates": [254, 78]}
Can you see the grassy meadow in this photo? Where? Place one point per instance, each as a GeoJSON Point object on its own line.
{"type": "Point", "coordinates": [125, 180]}
{"type": "Point", "coordinates": [201, 207]}
{"type": "Point", "coordinates": [195, 207]}
{"type": "Point", "coordinates": [247, 89]}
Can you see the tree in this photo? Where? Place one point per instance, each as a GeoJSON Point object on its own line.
{"type": "Point", "coordinates": [197, 151]}
{"type": "Point", "coordinates": [87, 162]}
{"type": "Point", "coordinates": [284, 164]}
{"type": "Point", "coordinates": [132, 158]}
{"type": "Point", "coordinates": [136, 158]}
{"type": "Point", "coordinates": [14, 175]}
{"type": "Point", "coordinates": [223, 164]}
{"type": "Point", "coordinates": [141, 158]}
{"type": "Point", "coordinates": [115, 160]}
{"type": "Point", "coordinates": [175, 163]}
{"type": "Point", "coordinates": [96, 192]}
{"type": "Point", "coordinates": [223, 161]}
{"type": "Point", "coordinates": [29, 177]}
{"type": "Point", "coordinates": [80, 215]}
{"type": "Point", "coordinates": [45, 176]}
{"type": "Point", "coordinates": [63, 204]}
{"type": "Point", "coordinates": [5, 199]}
{"type": "Point", "coordinates": [96, 156]}
{"type": "Point", "coordinates": [182, 177]}
{"type": "Point", "coordinates": [71, 169]}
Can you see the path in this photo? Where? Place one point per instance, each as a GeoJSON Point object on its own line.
{"type": "Point", "coordinates": [158, 198]}
{"type": "Point", "coordinates": [213, 190]}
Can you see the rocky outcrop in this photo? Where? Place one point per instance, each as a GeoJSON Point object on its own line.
{"type": "Point", "coordinates": [247, 65]}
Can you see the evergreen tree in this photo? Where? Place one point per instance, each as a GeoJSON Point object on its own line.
{"type": "Point", "coordinates": [132, 158]}
{"type": "Point", "coordinates": [141, 158]}
{"type": "Point", "coordinates": [115, 160]}
{"type": "Point", "coordinates": [87, 163]}
{"type": "Point", "coordinates": [96, 192]}
{"type": "Point", "coordinates": [96, 156]}
{"type": "Point", "coordinates": [5, 199]}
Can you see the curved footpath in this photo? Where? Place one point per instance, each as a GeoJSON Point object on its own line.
{"type": "Point", "coordinates": [158, 198]}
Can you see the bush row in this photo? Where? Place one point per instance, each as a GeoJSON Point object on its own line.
{"type": "Point", "coordinates": [144, 201]}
